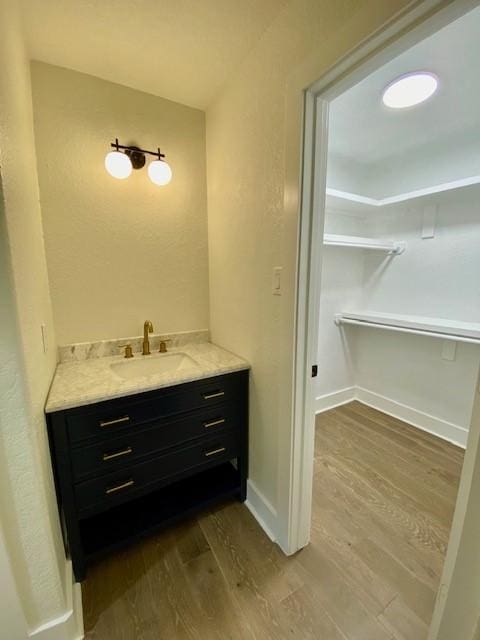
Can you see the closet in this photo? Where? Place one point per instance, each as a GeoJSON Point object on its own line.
{"type": "Point", "coordinates": [399, 327]}
{"type": "Point", "coordinates": [400, 286]}
{"type": "Point", "coordinates": [400, 300]}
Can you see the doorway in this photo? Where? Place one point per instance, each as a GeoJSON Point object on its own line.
{"type": "Point", "coordinates": [390, 339]}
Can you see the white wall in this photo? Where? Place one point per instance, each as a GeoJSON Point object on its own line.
{"type": "Point", "coordinates": [435, 277]}
{"type": "Point", "coordinates": [430, 165]}
{"type": "Point", "coordinates": [341, 287]}
{"type": "Point", "coordinates": [341, 284]}
{"type": "Point", "coordinates": [454, 159]}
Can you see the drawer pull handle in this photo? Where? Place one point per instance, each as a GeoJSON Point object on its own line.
{"type": "Point", "coordinates": [117, 454]}
{"type": "Point", "coordinates": [215, 451]}
{"type": "Point", "coordinates": [109, 423]}
{"type": "Point", "coordinates": [214, 423]}
{"type": "Point", "coordinates": [216, 394]}
{"type": "Point", "coordinates": [119, 487]}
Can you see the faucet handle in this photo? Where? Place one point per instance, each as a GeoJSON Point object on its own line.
{"type": "Point", "coordinates": [128, 350]}
{"type": "Point", "coordinates": [163, 345]}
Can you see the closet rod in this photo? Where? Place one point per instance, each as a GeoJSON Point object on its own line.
{"type": "Point", "coordinates": [417, 332]}
{"type": "Point", "coordinates": [355, 242]}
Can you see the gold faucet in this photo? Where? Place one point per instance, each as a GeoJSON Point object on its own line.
{"type": "Point", "coordinates": [147, 328]}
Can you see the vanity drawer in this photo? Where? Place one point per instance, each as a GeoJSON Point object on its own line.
{"type": "Point", "coordinates": [106, 420]}
{"type": "Point", "coordinates": [125, 484]}
{"type": "Point", "coordinates": [108, 455]}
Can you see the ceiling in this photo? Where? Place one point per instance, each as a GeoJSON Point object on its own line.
{"type": "Point", "coordinates": [363, 130]}
{"type": "Point", "coordinates": [183, 50]}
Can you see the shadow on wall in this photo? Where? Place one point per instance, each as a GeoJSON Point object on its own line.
{"type": "Point", "coordinates": [13, 421]}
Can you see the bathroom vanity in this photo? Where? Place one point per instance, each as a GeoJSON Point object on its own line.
{"type": "Point", "coordinates": [149, 450]}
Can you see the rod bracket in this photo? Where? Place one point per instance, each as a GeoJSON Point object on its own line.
{"type": "Point", "coordinates": [399, 248]}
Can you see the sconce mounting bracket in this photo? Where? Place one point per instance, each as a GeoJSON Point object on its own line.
{"type": "Point", "coordinates": [137, 157]}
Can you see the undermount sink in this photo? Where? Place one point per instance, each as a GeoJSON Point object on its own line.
{"type": "Point", "coordinates": [152, 365]}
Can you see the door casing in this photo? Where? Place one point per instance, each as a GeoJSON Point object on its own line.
{"type": "Point", "coordinates": [417, 22]}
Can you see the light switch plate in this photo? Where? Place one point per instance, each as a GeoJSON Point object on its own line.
{"type": "Point", "coordinates": [277, 281]}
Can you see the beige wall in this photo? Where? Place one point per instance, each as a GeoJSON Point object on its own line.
{"type": "Point", "coordinates": [253, 210]}
{"type": "Point", "coordinates": [27, 500]}
{"type": "Point", "coordinates": [11, 614]}
{"type": "Point", "coordinates": [119, 252]}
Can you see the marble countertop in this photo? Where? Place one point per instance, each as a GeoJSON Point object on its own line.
{"type": "Point", "coordinates": [76, 384]}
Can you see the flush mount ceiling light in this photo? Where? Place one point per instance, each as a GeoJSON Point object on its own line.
{"type": "Point", "coordinates": [119, 163]}
{"type": "Point", "coordinates": [410, 89]}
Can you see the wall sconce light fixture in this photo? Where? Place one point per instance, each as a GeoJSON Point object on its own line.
{"type": "Point", "coordinates": [119, 163]}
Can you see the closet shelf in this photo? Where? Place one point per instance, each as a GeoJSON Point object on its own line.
{"type": "Point", "coordinates": [373, 244]}
{"type": "Point", "coordinates": [417, 325]}
{"type": "Point", "coordinates": [357, 198]}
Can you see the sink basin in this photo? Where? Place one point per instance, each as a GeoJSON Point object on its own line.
{"type": "Point", "coordinates": [152, 365]}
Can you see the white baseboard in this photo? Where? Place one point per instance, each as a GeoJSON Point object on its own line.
{"type": "Point", "coordinates": [446, 430]}
{"type": "Point", "coordinates": [261, 509]}
{"type": "Point", "coordinates": [68, 626]}
{"type": "Point", "coordinates": [335, 399]}
{"type": "Point", "coordinates": [441, 428]}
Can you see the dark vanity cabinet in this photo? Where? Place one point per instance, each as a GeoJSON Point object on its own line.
{"type": "Point", "coordinates": [125, 467]}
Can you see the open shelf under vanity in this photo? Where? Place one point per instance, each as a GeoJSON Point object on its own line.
{"type": "Point", "coordinates": [127, 523]}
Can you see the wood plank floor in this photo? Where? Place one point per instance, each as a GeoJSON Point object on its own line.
{"type": "Point", "coordinates": [384, 495]}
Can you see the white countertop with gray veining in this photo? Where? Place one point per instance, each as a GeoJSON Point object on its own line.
{"type": "Point", "coordinates": [85, 382]}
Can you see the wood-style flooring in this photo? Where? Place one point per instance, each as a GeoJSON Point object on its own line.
{"type": "Point", "coordinates": [384, 494]}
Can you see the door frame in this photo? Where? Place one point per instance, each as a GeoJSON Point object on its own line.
{"type": "Point", "coordinates": [421, 20]}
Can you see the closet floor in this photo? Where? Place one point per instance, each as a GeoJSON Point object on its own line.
{"type": "Point", "coordinates": [384, 494]}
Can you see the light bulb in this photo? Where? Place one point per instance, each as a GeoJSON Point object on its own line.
{"type": "Point", "coordinates": [118, 165]}
{"type": "Point", "coordinates": [159, 172]}
{"type": "Point", "coordinates": [410, 89]}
